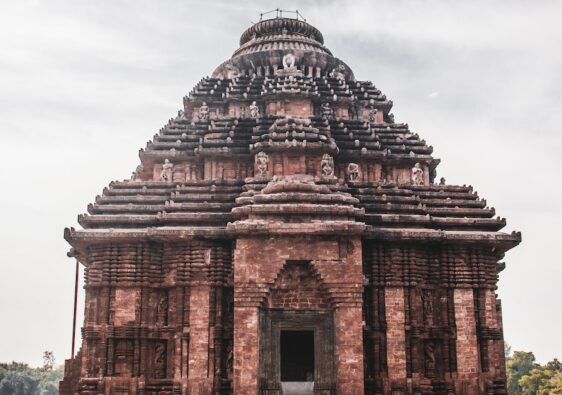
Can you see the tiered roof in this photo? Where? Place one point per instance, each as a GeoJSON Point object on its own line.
{"type": "Point", "coordinates": [145, 208]}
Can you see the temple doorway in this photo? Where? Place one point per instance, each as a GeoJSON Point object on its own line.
{"type": "Point", "coordinates": [297, 352]}
{"type": "Point", "coordinates": [297, 355]}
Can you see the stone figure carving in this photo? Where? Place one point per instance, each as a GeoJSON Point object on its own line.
{"type": "Point", "coordinates": [229, 361]}
{"type": "Point", "coordinates": [232, 71]}
{"type": "Point", "coordinates": [262, 163]}
{"type": "Point", "coordinates": [326, 110]}
{"type": "Point", "coordinates": [429, 357]}
{"type": "Point", "coordinates": [162, 309]}
{"type": "Point", "coordinates": [254, 110]}
{"type": "Point", "coordinates": [327, 165]}
{"type": "Point", "coordinates": [352, 171]}
{"type": "Point", "coordinates": [159, 360]}
{"type": "Point", "coordinates": [136, 174]}
{"type": "Point", "coordinates": [442, 181]}
{"type": "Point", "coordinates": [167, 171]}
{"type": "Point", "coordinates": [352, 111]}
{"type": "Point", "coordinates": [372, 114]}
{"type": "Point", "coordinates": [289, 68]}
{"type": "Point", "coordinates": [289, 61]}
{"type": "Point", "coordinates": [338, 73]}
{"type": "Point", "coordinates": [417, 175]}
{"type": "Point", "coordinates": [204, 112]}
{"type": "Point", "coordinates": [427, 304]}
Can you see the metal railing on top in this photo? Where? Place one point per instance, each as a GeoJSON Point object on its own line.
{"type": "Point", "coordinates": [279, 14]}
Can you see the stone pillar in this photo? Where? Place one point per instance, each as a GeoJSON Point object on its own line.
{"type": "Point", "coordinates": [468, 364]}
{"type": "Point", "coordinates": [198, 376]}
{"type": "Point", "coordinates": [395, 336]}
{"type": "Point", "coordinates": [349, 349]}
{"type": "Point", "coordinates": [246, 350]}
{"type": "Point", "coordinates": [496, 352]}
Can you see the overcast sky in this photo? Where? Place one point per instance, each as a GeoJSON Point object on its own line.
{"type": "Point", "coordinates": [83, 86]}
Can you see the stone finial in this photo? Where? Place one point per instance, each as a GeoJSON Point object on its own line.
{"type": "Point", "coordinates": [417, 175]}
{"type": "Point", "coordinates": [353, 172]}
{"type": "Point", "coordinates": [262, 164]}
{"type": "Point", "coordinates": [204, 112]}
{"type": "Point", "coordinates": [327, 165]}
{"type": "Point", "coordinates": [254, 110]}
{"type": "Point", "coordinates": [442, 181]}
{"type": "Point", "coordinates": [327, 111]}
{"type": "Point", "coordinates": [167, 171]}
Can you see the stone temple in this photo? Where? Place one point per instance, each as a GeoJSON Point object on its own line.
{"type": "Point", "coordinates": [284, 234]}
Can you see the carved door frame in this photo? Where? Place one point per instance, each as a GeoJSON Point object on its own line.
{"type": "Point", "coordinates": [272, 322]}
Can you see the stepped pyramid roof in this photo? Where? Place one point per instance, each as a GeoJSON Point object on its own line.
{"type": "Point", "coordinates": [283, 94]}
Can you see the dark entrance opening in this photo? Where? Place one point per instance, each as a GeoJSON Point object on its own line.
{"type": "Point", "coordinates": [297, 355]}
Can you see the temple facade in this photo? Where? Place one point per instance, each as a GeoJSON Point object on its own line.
{"type": "Point", "coordinates": [284, 234]}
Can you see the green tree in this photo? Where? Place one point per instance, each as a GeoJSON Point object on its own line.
{"type": "Point", "coordinates": [519, 365]}
{"type": "Point", "coordinates": [48, 360]}
{"type": "Point", "coordinates": [18, 383]}
{"type": "Point", "coordinates": [554, 385]}
{"type": "Point", "coordinates": [533, 383]}
{"type": "Point", "coordinates": [20, 379]}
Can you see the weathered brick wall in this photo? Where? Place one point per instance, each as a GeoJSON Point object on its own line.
{"type": "Point", "coordinates": [442, 327]}
{"type": "Point", "coordinates": [395, 336]}
{"type": "Point", "coordinates": [156, 312]}
{"type": "Point", "coordinates": [297, 288]}
{"type": "Point", "coordinates": [258, 265]}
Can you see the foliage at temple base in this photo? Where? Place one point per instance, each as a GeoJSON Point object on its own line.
{"type": "Point", "coordinates": [20, 379]}
{"type": "Point", "coordinates": [526, 377]}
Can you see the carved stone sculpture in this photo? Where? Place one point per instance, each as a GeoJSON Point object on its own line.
{"type": "Point", "coordinates": [167, 171]}
{"type": "Point", "coordinates": [353, 172]}
{"type": "Point", "coordinates": [229, 361]}
{"type": "Point", "coordinates": [204, 112]}
{"type": "Point", "coordinates": [327, 165]}
{"type": "Point", "coordinates": [372, 114]}
{"type": "Point", "coordinates": [442, 181]}
{"type": "Point", "coordinates": [232, 71]}
{"type": "Point", "coordinates": [327, 111]}
{"type": "Point", "coordinates": [289, 61]}
{"type": "Point", "coordinates": [429, 357]}
{"type": "Point", "coordinates": [254, 110]}
{"type": "Point", "coordinates": [289, 69]}
{"type": "Point", "coordinates": [417, 174]}
{"type": "Point", "coordinates": [262, 163]}
{"type": "Point", "coordinates": [135, 176]}
{"type": "Point", "coordinates": [338, 73]}
{"type": "Point", "coordinates": [162, 310]}
{"type": "Point", "coordinates": [427, 304]}
{"type": "Point", "coordinates": [159, 360]}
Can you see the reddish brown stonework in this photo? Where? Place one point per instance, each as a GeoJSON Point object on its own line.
{"type": "Point", "coordinates": [285, 228]}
